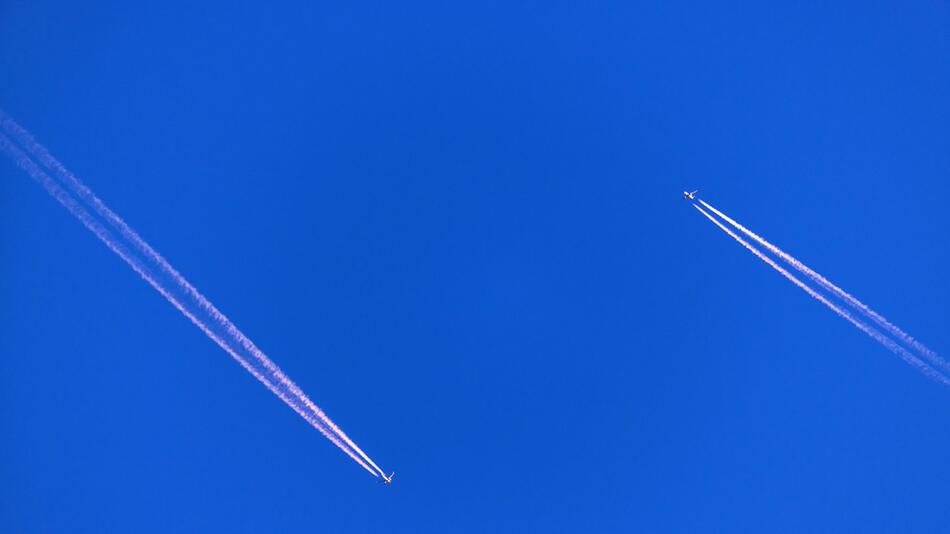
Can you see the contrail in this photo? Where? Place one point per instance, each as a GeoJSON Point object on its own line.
{"type": "Point", "coordinates": [128, 245]}
{"type": "Point", "coordinates": [870, 331]}
{"type": "Point", "coordinates": [866, 310]}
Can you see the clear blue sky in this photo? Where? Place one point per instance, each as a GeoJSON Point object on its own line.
{"type": "Point", "coordinates": [460, 230]}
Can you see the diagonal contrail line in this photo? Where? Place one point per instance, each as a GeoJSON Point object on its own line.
{"type": "Point", "coordinates": [929, 371]}
{"type": "Point", "coordinates": [253, 359]}
{"type": "Point", "coordinates": [863, 308]}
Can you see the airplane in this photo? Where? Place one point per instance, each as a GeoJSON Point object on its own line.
{"type": "Point", "coordinates": [691, 196]}
{"type": "Point", "coordinates": [388, 479]}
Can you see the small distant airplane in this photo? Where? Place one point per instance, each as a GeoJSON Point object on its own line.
{"type": "Point", "coordinates": [691, 196]}
{"type": "Point", "coordinates": [388, 479]}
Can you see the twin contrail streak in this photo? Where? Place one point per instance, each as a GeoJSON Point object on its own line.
{"type": "Point", "coordinates": [121, 239]}
{"type": "Point", "coordinates": [870, 331]}
{"type": "Point", "coordinates": [863, 308]}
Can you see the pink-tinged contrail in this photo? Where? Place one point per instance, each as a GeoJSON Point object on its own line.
{"type": "Point", "coordinates": [128, 245]}
{"type": "Point", "coordinates": [863, 308]}
{"type": "Point", "coordinates": [870, 331]}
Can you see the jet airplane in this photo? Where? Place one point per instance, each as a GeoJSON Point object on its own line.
{"type": "Point", "coordinates": [388, 479]}
{"type": "Point", "coordinates": [691, 196]}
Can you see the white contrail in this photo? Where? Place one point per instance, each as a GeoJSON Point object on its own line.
{"type": "Point", "coordinates": [870, 331]}
{"type": "Point", "coordinates": [167, 281]}
{"type": "Point", "coordinates": [891, 328]}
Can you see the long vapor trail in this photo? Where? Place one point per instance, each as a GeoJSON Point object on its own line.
{"type": "Point", "coordinates": [83, 204]}
{"type": "Point", "coordinates": [870, 331]}
{"type": "Point", "coordinates": [863, 308]}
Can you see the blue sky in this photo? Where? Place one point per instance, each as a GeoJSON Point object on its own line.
{"type": "Point", "coordinates": [459, 229]}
